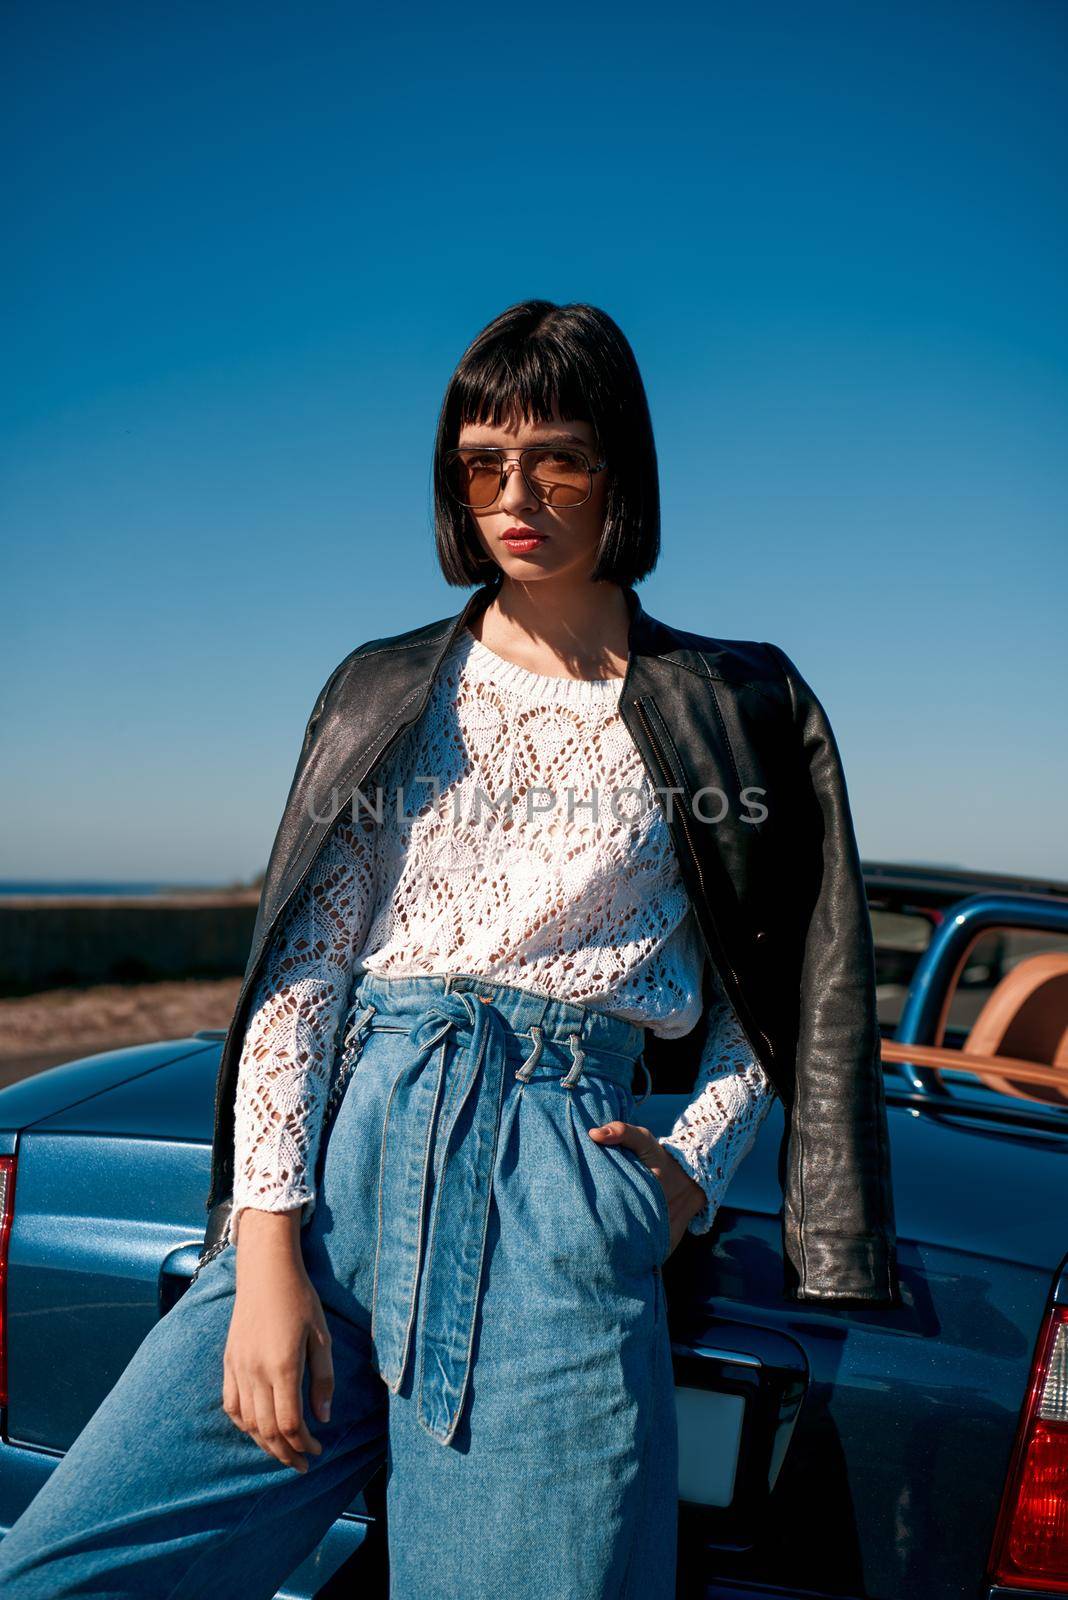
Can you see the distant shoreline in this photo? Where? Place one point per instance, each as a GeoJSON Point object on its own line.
{"type": "Point", "coordinates": [98, 889]}
{"type": "Point", "coordinates": [106, 901]}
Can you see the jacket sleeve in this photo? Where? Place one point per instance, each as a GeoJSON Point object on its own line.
{"type": "Point", "coordinates": [294, 818]}
{"type": "Point", "coordinates": [733, 1096]}
{"type": "Point", "coordinates": [287, 1055]}
{"type": "Point", "coordinates": [835, 1164]}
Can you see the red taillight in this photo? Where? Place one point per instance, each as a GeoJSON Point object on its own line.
{"type": "Point", "coordinates": [1030, 1548]}
{"type": "Point", "coordinates": [7, 1211]}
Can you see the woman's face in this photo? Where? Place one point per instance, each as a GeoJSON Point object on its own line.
{"type": "Point", "coordinates": [569, 534]}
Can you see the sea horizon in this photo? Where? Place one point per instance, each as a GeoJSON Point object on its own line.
{"type": "Point", "coordinates": [102, 887]}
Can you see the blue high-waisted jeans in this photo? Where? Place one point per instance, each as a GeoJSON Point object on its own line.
{"type": "Point", "coordinates": [490, 1277]}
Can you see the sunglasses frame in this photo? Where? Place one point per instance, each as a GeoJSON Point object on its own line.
{"type": "Point", "coordinates": [499, 450]}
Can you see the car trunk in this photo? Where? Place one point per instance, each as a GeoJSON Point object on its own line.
{"type": "Point", "coordinates": [892, 1473]}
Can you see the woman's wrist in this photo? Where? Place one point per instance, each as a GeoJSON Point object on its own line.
{"type": "Point", "coordinates": [269, 1235]}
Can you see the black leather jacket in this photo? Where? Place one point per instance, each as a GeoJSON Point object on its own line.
{"type": "Point", "coordinates": [748, 770]}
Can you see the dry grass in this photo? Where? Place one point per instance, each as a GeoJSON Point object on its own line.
{"type": "Point", "coordinates": [70, 1022]}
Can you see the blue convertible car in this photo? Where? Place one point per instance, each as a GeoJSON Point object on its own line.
{"type": "Point", "coordinates": [918, 1452]}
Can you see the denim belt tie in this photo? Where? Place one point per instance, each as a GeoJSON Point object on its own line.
{"type": "Point", "coordinates": [437, 1127]}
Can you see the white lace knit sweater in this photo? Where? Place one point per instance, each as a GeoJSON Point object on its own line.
{"type": "Point", "coordinates": [573, 892]}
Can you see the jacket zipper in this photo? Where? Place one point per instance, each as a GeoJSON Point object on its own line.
{"type": "Point", "coordinates": [666, 771]}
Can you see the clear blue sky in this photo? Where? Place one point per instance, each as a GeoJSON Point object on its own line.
{"type": "Point", "coordinates": [248, 243]}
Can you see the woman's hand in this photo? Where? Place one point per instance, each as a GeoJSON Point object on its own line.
{"type": "Point", "coordinates": [684, 1194]}
{"type": "Point", "coordinates": [277, 1323]}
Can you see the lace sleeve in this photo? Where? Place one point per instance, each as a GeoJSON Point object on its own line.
{"type": "Point", "coordinates": [298, 1003]}
{"type": "Point", "coordinates": [732, 1097]}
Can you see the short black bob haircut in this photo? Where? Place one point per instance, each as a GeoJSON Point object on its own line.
{"type": "Point", "coordinates": [532, 354]}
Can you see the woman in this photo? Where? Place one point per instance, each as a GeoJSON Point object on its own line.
{"type": "Point", "coordinates": [437, 1226]}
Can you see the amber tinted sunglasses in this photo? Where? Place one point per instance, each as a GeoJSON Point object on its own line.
{"type": "Point", "coordinates": [556, 474]}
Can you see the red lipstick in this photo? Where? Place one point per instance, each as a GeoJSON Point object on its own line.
{"type": "Point", "coordinates": [522, 540]}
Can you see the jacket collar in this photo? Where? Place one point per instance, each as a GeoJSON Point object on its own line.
{"type": "Point", "coordinates": [646, 635]}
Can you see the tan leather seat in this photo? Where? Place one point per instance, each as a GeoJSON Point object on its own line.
{"type": "Point", "coordinates": [1023, 1024]}
{"type": "Point", "coordinates": [1026, 1019]}
{"type": "Point", "coordinates": [1027, 1014]}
